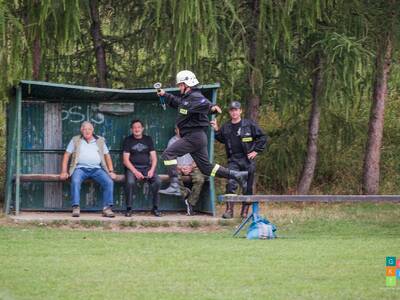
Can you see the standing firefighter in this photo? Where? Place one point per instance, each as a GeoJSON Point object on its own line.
{"type": "Point", "coordinates": [192, 122]}
{"type": "Point", "coordinates": [243, 140]}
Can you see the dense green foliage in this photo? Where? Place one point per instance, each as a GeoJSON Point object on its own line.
{"type": "Point", "coordinates": [266, 48]}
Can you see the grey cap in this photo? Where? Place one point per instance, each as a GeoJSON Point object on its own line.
{"type": "Point", "coordinates": [235, 104]}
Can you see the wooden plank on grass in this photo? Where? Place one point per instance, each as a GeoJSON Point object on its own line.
{"type": "Point", "coordinates": [308, 198]}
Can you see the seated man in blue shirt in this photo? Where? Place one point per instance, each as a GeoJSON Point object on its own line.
{"type": "Point", "coordinates": [90, 158]}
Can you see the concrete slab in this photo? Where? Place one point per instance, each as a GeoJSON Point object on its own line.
{"type": "Point", "coordinates": [47, 217]}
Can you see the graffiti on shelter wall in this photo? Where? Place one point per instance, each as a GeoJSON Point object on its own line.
{"type": "Point", "coordinates": [78, 114]}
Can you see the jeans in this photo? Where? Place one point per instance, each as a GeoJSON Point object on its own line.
{"type": "Point", "coordinates": [98, 175]}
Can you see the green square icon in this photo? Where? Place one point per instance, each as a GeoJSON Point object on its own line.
{"type": "Point", "coordinates": [390, 261]}
{"type": "Point", "coordinates": [391, 281]}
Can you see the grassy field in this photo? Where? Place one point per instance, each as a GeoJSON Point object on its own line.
{"type": "Point", "coordinates": [325, 252]}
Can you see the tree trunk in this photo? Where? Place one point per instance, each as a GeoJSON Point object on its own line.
{"type": "Point", "coordinates": [36, 57]}
{"type": "Point", "coordinates": [33, 31]}
{"type": "Point", "coordinates": [253, 107]}
{"type": "Point", "coordinates": [307, 173]}
{"type": "Point", "coordinates": [372, 156]}
{"type": "Point", "coordinates": [253, 100]}
{"type": "Point", "coordinates": [95, 30]}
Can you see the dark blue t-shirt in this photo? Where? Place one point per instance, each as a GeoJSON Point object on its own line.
{"type": "Point", "coordinates": [139, 150]}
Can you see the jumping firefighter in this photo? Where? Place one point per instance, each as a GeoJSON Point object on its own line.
{"type": "Point", "coordinates": [192, 122]}
{"type": "Point", "coordinates": [243, 141]}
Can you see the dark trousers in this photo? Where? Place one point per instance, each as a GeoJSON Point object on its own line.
{"type": "Point", "coordinates": [131, 186]}
{"type": "Point", "coordinates": [194, 143]}
{"type": "Point", "coordinates": [241, 164]}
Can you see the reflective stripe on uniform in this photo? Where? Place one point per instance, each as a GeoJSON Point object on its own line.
{"type": "Point", "coordinates": [214, 170]}
{"type": "Point", "coordinates": [247, 139]}
{"type": "Point", "coordinates": [183, 111]}
{"type": "Point", "coordinates": [170, 162]}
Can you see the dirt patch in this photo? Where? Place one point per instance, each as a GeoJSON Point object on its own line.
{"type": "Point", "coordinates": [281, 214]}
{"type": "Point", "coordinates": [116, 227]}
{"type": "Point", "coordinates": [140, 222]}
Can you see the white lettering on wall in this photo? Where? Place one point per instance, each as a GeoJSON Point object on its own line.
{"type": "Point", "coordinates": [75, 114]}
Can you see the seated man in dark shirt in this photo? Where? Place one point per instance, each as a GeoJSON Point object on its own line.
{"type": "Point", "coordinates": [140, 160]}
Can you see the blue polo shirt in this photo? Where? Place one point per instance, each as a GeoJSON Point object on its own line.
{"type": "Point", "coordinates": [89, 156]}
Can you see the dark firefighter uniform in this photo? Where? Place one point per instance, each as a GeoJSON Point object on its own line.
{"type": "Point", "coordinates": [240, 139]}
{"type": "Point", "coordinates": [192, 122]}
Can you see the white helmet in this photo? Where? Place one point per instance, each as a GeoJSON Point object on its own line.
{"type": "Point", "coordinates": [187, 77]}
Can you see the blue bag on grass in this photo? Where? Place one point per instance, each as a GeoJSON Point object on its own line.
{"type": "Point", "coordinates": [261, 229]}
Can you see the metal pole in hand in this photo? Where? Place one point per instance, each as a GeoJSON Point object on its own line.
{"type": "Point", "coordinates": [158, 86]}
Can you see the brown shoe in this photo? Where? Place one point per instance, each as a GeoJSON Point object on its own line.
{"type": "Point", "coordinates": [76, 211]}
{"type": "Point", "coordinates": [108, 213]}
{"type": "Point", "coordinates": [228, 214]}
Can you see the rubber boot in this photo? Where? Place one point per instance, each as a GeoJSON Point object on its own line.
{"type": "Point", "coordinates": [245, 210]}
{"type": "Point", "coordinates": [228, 214]}
{"type": "Point", "coordinates": [173, 188]}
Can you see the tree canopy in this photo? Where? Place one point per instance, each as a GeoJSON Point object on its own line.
{"type": "Point", "coordinates": [311, 72]}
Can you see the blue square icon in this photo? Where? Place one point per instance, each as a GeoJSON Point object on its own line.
{"type": "Point", "coordinates": [398, 274]}
{"type": "Point", "coordinates": [390, 261]}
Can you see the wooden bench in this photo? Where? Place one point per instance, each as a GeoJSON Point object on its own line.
{"type": "Point", "coordinates": [56, 178]}
{"type": "Point", "coordinates": [53, 182]}
{"type": "Point", "coordinates": [307, 198]}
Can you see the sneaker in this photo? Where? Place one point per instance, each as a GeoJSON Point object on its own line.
{"type": "Point", "coordinates": [76, 211]}
{"type": "Point", "coordinates": [189, 207]}
{"type": "Point", "coordinates": [128, 213]}
{"type": "Point", "coordinates": [108, 213]}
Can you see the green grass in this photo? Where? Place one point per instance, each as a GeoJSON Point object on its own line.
{"type": "Point", "coordinates": [326, 252]}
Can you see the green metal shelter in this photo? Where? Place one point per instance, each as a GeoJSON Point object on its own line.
{"type": "Point", "coordinates": [43, 117]}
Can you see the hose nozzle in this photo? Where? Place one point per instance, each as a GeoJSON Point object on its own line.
{"type": "Point", "coordinates": [158, 86]}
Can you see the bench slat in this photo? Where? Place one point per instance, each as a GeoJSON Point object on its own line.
{"type": "Point", "coordinates": [307, 198]}
{"type": "Point", "coordinates": [56, 178]}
